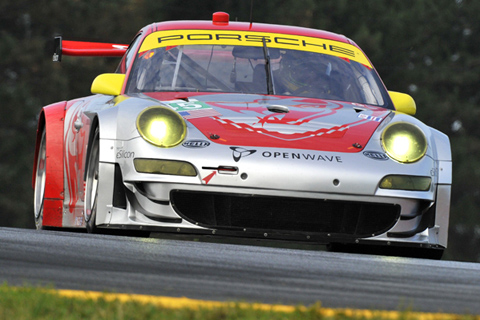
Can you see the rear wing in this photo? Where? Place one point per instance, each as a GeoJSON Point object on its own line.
{"type": "Point", "coordinates": [86, 49]}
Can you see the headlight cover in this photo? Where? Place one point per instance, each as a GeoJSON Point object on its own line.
{"type": "Point", "coordinates": [161, 126]}
{"type": "Point", "coordinates": [404, 142]}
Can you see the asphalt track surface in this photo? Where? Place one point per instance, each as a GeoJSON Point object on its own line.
{"type": "Point", "coordinates": [236, 272]}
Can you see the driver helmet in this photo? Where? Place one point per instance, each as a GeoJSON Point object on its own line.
{"type": "Point", "coordinates": [300, 69]}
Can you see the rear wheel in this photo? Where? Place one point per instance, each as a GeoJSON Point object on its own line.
{"type": "Point", "coordinates": [91, 185]}
{"type": "Point", "coordinates": [40, 177]}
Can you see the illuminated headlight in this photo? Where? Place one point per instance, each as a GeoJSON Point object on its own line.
{"type": "Point", "coordinates": [404, 142]}
{"type": "Point", "coordinates": [161, 126]}
{"type": "Point", "coordinates": [172, 167]}
{"type": "Point", "coordinates": [411, 183]}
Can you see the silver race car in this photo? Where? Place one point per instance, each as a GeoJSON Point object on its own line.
{"type": "Point", "coordinates": [244, 130]}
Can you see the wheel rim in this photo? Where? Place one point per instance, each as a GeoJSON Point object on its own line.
{"type": "Point", "coordinates": [40, 178]}
{"type": "Point", "coordinates": [91, 191]}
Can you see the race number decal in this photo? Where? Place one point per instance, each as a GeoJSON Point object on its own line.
{"type": "Point", "coordinates": [193, 109]}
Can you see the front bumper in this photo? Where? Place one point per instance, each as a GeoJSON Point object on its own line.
{"type": "Point", "coordinates": [273, 214]}
{"type": "Point", "coordinates": [260, 207]}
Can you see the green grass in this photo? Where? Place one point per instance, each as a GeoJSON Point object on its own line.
{"type": "Point", "coordinates": [27, 303]}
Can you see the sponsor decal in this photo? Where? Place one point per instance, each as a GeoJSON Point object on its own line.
{"type": "Point", "coordinates": [375, 155]}
{"type": "Point", "coordinates": [194, 109]}
{"type": "Point", "coordinates": [196, 144]}
{"type": "Point", "coordinates": [239, 152]}
{"type": "Point", "coordinates": [123, 154]}
{"type": "Point", "coordinates": [167, 38]}
{"type": "Point", "coordinates": [302, 156]}
{"type": "Point", "coordinates": [371, 118]}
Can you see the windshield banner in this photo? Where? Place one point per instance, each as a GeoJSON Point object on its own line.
{"type": "Point", "coordinates": [170, 38]}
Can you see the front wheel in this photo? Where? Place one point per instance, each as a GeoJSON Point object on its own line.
{"type": "Point", "coordinates": [91, 185]}
{"type": "Point", "coordinates": [40, 178]}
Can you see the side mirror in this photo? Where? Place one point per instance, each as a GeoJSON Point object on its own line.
{"type": "Point", "coordinates": [108, 83]}
{"type": "Point", "coordinates": [403, 102]}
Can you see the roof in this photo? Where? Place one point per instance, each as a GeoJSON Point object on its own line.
{"type": "Point", "coordinates": [245, 26]}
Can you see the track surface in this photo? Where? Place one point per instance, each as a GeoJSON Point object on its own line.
{"type": "Point", "coordinates": [233, 272]}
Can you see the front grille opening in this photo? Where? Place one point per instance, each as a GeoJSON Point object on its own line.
{"type": "Point", "coordinates": [219, 210]}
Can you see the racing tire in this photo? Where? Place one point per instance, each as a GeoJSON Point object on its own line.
{"type": "Point", "coordinates": [40, 178]}
{"type": "Point", "coordinates": [408, 252]}
{"type": "Point", "coordinates": [91, 184]}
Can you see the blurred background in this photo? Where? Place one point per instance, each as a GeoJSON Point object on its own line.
{"type": "Point", "coordinates": [426, 48]}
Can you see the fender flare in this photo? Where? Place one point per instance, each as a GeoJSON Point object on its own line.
{"type": "Point", "coordinates": [51, 119]}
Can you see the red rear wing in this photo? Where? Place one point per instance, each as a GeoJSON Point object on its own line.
{"type": "Point", "coordinates": [86, 49]}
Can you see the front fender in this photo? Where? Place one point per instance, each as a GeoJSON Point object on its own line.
{"type": "Point", "coordinates": [52, 119]}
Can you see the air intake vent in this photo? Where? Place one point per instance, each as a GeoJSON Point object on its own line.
{"type": "Point", "coordinates": [218, 210]}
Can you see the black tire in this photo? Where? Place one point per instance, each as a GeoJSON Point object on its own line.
{"type": "Point", "coordinates": [40, 178]}
{"type": "Point", "coordinates": [91, 184]}
{"type": "Point", "coordinates": [411, 252]}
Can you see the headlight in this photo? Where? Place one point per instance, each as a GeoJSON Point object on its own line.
{"type": "Point", "coordinates": [404, 142]}
{"type": "Point", "coordinates": [161, 126]}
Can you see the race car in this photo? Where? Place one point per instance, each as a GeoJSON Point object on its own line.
{"type": "Point", "coordinates": [243, 130]}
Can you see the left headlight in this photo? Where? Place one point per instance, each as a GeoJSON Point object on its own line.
{"type": "Point", "coordinates": [404, 142]}
{"type": "Point", "coordinates": [161, 126]}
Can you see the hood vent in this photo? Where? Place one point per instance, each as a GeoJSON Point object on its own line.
{"type": "Point", "coordinates": [278, 108]}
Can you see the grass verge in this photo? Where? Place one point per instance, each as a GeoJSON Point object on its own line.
{"type": "Point", "coordinates": [27, 303]}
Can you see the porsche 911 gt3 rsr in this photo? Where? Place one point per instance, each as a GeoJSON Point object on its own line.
{"type": "Point", "coordinates": [245, 130]}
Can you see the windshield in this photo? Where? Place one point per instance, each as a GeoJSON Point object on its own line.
{"type": "Point", "coordinates": [241, 69]}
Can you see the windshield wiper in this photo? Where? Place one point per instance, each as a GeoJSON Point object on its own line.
{"type": "Point", "coordinates": [268, 68]}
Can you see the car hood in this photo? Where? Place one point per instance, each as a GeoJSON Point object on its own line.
{"type": "Point", "coordinates": [280, 122]}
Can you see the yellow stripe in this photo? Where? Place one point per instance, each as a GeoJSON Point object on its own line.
{"type": "Point", "coordinates": [168, 38]}
{"type": "Point", "coordinates": [179, 303]}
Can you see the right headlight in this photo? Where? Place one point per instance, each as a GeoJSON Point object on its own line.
{"type": "Point", "coordinates": [404, 142]}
